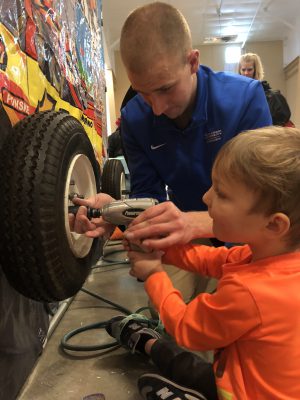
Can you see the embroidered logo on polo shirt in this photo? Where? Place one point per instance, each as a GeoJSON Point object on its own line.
{"type": "Point", "coordinates": [153, 147]}
{"type": "Point", "coordinates": [213, 136]}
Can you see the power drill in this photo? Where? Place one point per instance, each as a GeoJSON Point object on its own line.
{"type": "Point", "coordinates": [118, 212]}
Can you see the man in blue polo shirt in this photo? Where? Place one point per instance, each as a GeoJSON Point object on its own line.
{"type": "Point", "coordinates": [173, 129]}
{"type": "Point", "coordinates": [161, 151]}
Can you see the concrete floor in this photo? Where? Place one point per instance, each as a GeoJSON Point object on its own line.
{"type": "Point", "coordinates": [73, 375]}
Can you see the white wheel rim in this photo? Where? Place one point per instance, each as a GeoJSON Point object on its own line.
{"type": "Point", "coordinates": [80, 180]}
{"type": "Point", "coordinates": [122, 185]}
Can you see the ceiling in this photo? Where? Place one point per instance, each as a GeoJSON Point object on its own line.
{"type": "Point", "coordinates": [247, 20]}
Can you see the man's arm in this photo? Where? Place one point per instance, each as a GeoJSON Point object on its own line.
{"type": "Point", "coordinates": [164, 225]}
{"type": "Point", "coordinates": [145, 181]}
{"type": "Point", "coordinates": [161, 226]}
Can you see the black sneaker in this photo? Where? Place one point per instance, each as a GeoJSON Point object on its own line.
{"type": "Point", "coordinates": [155, 387]}
{"type": "Point", "coordinates": [132, 331]}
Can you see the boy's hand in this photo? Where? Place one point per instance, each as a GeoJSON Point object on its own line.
{"type": "Point", "coordinates": [143, 264]}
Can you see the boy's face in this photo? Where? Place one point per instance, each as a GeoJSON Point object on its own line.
{"type": "Point", "coordinates": [229, 205]}
{"type": "Point", "coordinates": [169, 87]}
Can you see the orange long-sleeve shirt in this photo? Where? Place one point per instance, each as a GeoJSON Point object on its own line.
{"type": "Point", "coordinates": [254, 316]}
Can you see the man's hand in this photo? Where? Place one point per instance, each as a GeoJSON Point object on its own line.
{"type": "Point", "coordinates": [97, 226]}
{"type": "Point", "coordinates": [164, 225]}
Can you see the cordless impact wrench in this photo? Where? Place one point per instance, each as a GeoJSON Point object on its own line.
{"type": "Point", "coordinates": [118, 212]}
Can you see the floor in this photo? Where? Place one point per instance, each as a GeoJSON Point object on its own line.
{"type": "Point", "coordinates": [76, 375]}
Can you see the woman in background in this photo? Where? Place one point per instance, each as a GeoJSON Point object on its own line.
{"type": "Point", "coordinates": [250, 65]}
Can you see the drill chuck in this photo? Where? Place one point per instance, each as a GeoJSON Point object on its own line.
{"type": "Point", "coordinates": [90, 212]}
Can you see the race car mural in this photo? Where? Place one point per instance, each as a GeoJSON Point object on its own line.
{"type": "Point", "coordinates": [51, 57]}
{"type": "Point", "coordinates": [52, 143]}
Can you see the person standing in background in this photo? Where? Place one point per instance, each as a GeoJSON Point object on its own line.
{"type": "Point", "coordinates": [250, 65]}
{"type": "Point", "coordinates": [115, 145]}
{"type": "Point", "coordinates": [115, 148]}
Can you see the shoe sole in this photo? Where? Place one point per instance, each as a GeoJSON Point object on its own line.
{"type": "Point", "coordinates": [161, 379]}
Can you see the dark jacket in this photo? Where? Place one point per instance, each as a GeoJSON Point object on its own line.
{"type": "Point", "coordinates": [115, 144]}
{"type": "Point", "coordinates": [279, 108]}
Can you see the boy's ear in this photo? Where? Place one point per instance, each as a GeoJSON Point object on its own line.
{"type": "Point", "coordinates": [278, 225]}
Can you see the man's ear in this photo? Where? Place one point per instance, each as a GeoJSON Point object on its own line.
{"type": "Point", "coordinates": [278, 225]}
{"type": "Point", "coordinates": [194, 60]}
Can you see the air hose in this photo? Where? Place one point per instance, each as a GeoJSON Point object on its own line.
{"type": "Point", "coordinates": [154, 324]}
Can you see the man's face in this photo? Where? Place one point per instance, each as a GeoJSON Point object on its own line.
{"type": "Point", "coordinates": [247, 69]}
{"type": "Point", "coordinates": [168, 87]}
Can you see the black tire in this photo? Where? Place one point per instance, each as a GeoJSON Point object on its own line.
{"type": "Point", "coordinates": [113, 178]}
{"type": "Point", "coordinates": [41, 258]}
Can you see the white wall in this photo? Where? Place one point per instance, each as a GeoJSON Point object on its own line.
{"type": "Point", "coordinates": [271, 53]}
{"type": "Point", "coordinates": [292, 75]}
{"type": "Point", "coordinates": [110, 90]}
{"type": "Point", "coordinates": [291, 49]}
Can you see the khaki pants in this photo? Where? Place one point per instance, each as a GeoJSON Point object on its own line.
{"type": "Point", "coordinates": [188, 283]}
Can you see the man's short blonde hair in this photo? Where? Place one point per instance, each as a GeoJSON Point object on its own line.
{"type": "Point", "coordinates": [267, 160]}
{"type": "Point", "coordinates": [257, 64]}
{"type": "Point", "coordinates": [151, 32]}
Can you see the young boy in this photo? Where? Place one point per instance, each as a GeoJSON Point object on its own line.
{"type": "Point", "coordinates": [252, 321]}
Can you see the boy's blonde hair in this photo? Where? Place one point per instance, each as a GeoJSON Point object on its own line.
{"type": "Point", "coordinates": [151, 32]}
{"type": "Point", "coordinates": [267, 160]}
{"type": "Point", "coordinates": [257, 64]}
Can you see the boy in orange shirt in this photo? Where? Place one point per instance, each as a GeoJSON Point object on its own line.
{"type": "Point", "coordinates": [252, 321]}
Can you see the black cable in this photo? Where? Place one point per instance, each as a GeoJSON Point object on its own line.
{"type": "Point", "coordinates": [115, 305]}
{"type": "Point", "coordinates": [98, 325]}
{"type": "Point", "coordinates": [110, 263]}
{"type": "Point", "coordinates": [152, 323]}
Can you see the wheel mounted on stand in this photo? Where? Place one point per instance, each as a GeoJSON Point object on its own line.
{"type": "Point", "coordinates": [114, 178]}
{"type": "Point", "coordinates": [47, 157]}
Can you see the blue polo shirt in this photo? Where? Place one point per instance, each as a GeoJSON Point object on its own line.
{"type": "Point", "coordinates": [161, 154]}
